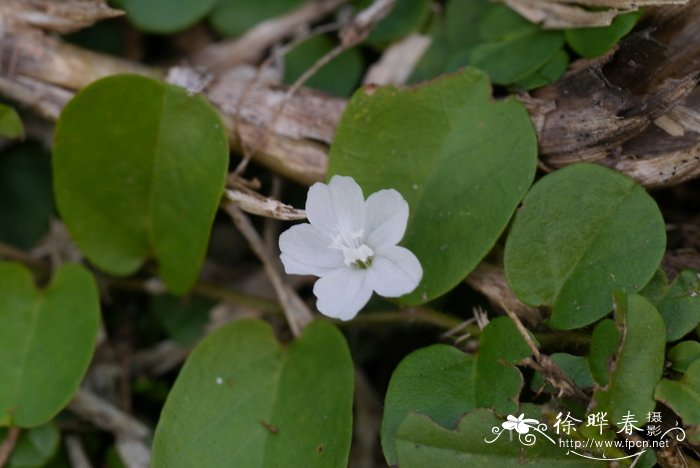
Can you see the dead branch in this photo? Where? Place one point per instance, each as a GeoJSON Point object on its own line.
{"type": "Point", "coordinates": [61, 16]}
{"type": "Point", "coordinates": [8, 444]}
{"type": "Point", "coordinates": [106, 416]}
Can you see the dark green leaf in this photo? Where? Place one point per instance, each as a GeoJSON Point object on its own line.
{"type": "Point", "coordinates": [549, 73]}
{"type": "Point", "coordinates": [460, 159]}
{"type": "Point", "coordinates": [682, 396]}
{"type": "Point", "coordinates": [244, 400]}
{"type": "Point", "coordinates": [26, 199]}
{"type": "Point", "coordinates": [234, 17]}
{"type": "Point", "coordinates": [638, 362]}
{"type": "Point", "coordinates": [139, 169]}
{"type": "Point", "coordinates": [339, 77]}
{"type": "Point", "coordinates": [35, 447]}
{"type": "Point", "coordinates": [46, 341]}
{"type": "Point", "coordinates": [656, 288]}
{"type": "Point", "coordinates": [575, 368]}
{"type": "Point", "coordinates": [436, 381]}
{"type": "Point", "coordinates": [498, 382]}
{"type": "Point", "coordinates": [406, 16]}
{"type": "Point", "coordinates": [10, 123]}
{"type": "Point", "coordinates": [592, 42]}
{"type": "Point", "coordinates": [583, 232]}
{"type": "Point", "coordinates": [163, 16]}
{"type": "Point", "coordinates": [182, 318]}
{"type": "Point", "coordinates": [680, 306]}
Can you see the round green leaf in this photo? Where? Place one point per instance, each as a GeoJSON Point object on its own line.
{"type": "Point", "coordinates": [436, 381]}
{"type": "Point", "coordinates": [242, 399]}
{"type": "Point", "coordinates": [26, 201]}
{"type": "Point", "coordinates": [234, 17]}
{"type": "Point", "coordinates": [683, 355]}
{"type": "Point", "coordinates": [680, 305]}
{"type": "Point", "coordinates": [139, 169]}
{"type": "Point", "coordinates": [406, 17]}
{"type": "Point", "coordinates": [35, 447]}
{"type": "Point", "coordinates": [583, 232]}
{"type": "Point", "coordinates": [592, 42]}
{"type": "Point", "coordinates": [339, 77]}
{"type": "Point", "coordinates": [461, 160]}
{"type": "Point", "coordinates": [682, 396]}
{"type": "Point", "coordinates": [166, 16]}
{"type": "Point", "coordinates": [46, 341]}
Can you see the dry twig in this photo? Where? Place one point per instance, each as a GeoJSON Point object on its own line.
{"type": "Point", "coordinates": [8, 444]}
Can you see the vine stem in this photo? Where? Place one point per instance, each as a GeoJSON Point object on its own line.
{"type": "Point", "coordinates": [8, 445]}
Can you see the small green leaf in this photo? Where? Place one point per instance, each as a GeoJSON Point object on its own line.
{"type": "Point", "coordinates": [605, 341]}
{"type": "Point", "coordinates": [242, 399]}
{"type": "Point", "coordinates": [164, 17]}
{"type": "Point", "coordinates": [682, 396]}
{"type": "Point", "coordinates": [339, 77]}
{"type": "Point", "coordinates": [35, 447]}
{"type": "Point", "coordinates": [405, 17]}
{"type": "Point", "coordinates": [10, 123]}
{"type": "Point", "coordinates": [422, 443]}
{"type": "Point", "coordinates": [683, 355]}
{"type": "Point", "coordinates": [460, 159]}
{"type": "Point", "coordinates": [656, 288]}
{"type": "Point", "coordinates": [436, 381]}
{"type": "Point", "coordinates": [680, 306]}
{"type": "Point", "coordinates": [26, 201]}
{"type": "Point", "coordinates": [234, 17]}
{"type": "Point", "coordinates": [638, 362]}
{"type": "Point", "coordinates": [46, 341]}
{"type": "Point", "coordinates": [183, 319]}
{"type": "Point", "coordinates": [139, 169]}
{"type": "Point", "coordinates": [592, 42]}
{"type": "Point", "coordinates": [498, 382]}
{"type": "Point", "coordinates": [583, 232]}
{"type": "Point", "coordinates": [548, 73]}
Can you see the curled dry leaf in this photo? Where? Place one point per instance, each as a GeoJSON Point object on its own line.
{"type": "Point", "coordinates": [564, 14]}
{"type": "Point", "coordinates": [61, 16]}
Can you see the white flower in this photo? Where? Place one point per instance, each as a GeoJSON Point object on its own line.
{"type": "Point", "coordinates": [520, 424]}
{"type": "Point", "coordinates": [351, 245]}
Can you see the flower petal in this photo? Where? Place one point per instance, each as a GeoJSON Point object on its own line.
{"type": "Point", "coordinates": [386, 216]}
{"type": "Point", "coordinates": [343, 293]}
{"type": "Point", "coordinates": [338, 206]}
{"type": "Point", "coordinates": [522, 428]}
{"type": "Point", "coordinates": [305, 251]}
{"type": "Point", "coordinates": [395, 271]}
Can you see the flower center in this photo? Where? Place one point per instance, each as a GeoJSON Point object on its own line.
{"type": "Point", "coordinates": [355, 252]}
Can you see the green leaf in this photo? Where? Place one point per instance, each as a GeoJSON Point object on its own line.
{"type": "Point", "coordinates": [683, 355]}
{"type": "Point", "coordinates": [682, 396]}
{"type": "Point", "coordinates": [656, 287]}
{"type": "Point", "coordinates": [234, 17]}
{"type": "Point", "coordinates": [164, 16]}
{"type": "Point", "coordinates": [183, 319]}
{"type": "Point", "coordinates": [35, 447]}
{"type": "Point", "coordinates": [436, 381]}
{"type": "Point", "coordinates": [583, 232]}
{"type": "Point", "coordinates": [422, 443]}
{"type": "Point", "coordinates": [10, 123]}
{"type": "Point", "coordinates": [461, 160]}
{"type": "Point", "coordinates": [406, 17]}
{"type": "Point", "coordinates": [26, 201]}
{"type": "Point", "coordinates": [498, 382]}
{"type": "Point", "coordinates": [605, 341]}
{"type": "Point", "coordinates": [548, 73]}
{"type": "Point", "coordinates": [680, 306]}
{"type": "Point", "coordinates": [592, 42]}
{"type": "Point", "coordinates": [513, 48]}
{"type": "Point", "coordinates": [638, 363]}
{"type": "Point", "coordinates": [242, 399]}
{"type": "Point", "coordinates": [46, 341]}
{"type": "Point", "coordinates": [139, 169]}
{"type": "Point", "coordinates": [339, 77]}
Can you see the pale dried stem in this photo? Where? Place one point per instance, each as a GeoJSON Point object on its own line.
{"type": "Point", "coordinates": [297, 313]}
{"type": "Point", "coordinates": [8, 445]}
{"type": "Point", "coordinates": [76, 452]}
{"type": "Point", "coordinates": [106, 416]}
